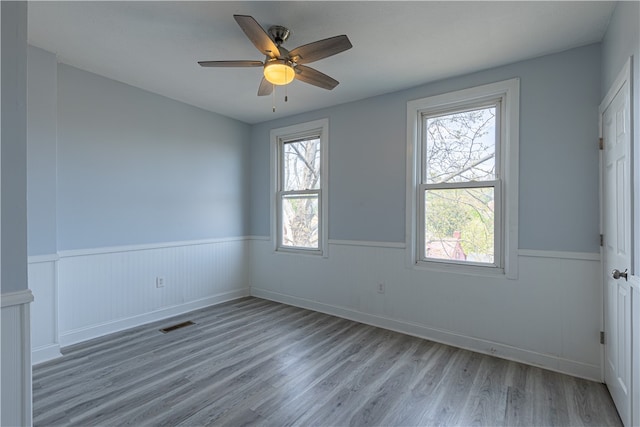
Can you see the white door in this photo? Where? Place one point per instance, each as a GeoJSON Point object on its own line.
{"type": "Point", "coordinates": [616, 211]}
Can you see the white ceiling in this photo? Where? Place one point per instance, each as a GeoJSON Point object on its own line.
{"type": "Point", "coordinates": [396, 45]}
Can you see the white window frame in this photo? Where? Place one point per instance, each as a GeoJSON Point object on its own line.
{"type": "Point", "coordinates": [280, 136]}
{"type": "Point", "coordinates": [506, 197]}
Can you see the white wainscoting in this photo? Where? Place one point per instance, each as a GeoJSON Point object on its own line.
{"type": "Point", "coordinates": [44, 309]}
{"type": "Point", "coordinates": [550, 316]}
{"type": "Point", "coordinates": [105, 290]}
{"type": "Point", "coordinates": [16, 359]}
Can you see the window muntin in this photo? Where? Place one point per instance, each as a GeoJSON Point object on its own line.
{"type": "Point", "coordinates": [299, 186]}
{"type": "Point", "coordinates": [459, 183]}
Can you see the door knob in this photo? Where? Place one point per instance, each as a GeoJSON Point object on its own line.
{"type": "Point", "coordinates": [618, 274]}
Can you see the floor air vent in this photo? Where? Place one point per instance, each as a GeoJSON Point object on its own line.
{"type": "Point", "coordinates": [178, 326]}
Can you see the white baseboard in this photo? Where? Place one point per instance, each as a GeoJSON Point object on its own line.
{"type": "Point", "coordinates": [95, 331]}
{"type": "Point", "coordinates": [45, 353]}
{"type": "Point", "coordinates": [577, 369]}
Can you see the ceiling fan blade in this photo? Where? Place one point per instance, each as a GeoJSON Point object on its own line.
{"type": "Point", "coordinates": [320, 49]}
{"type": "Point", "coordinates": [230, 63]}
{"type": "Point", "coordinates": [257, 35]}
{"type": "Point", "coordinates": [265, 88]}
{"type": "Point", "coordinates": [315, 77]}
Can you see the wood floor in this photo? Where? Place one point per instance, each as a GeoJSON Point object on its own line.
{"type": "Point", "coordinates": [256, 362]}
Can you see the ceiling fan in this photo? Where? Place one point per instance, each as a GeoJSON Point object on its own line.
{"type": "Point", "coordinates": [282, 66]}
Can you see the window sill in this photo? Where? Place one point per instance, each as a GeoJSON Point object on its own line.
{"type": "Point", "coordinates": [310, 253]}
{"type": "Point", "coordinates": [466, 270]}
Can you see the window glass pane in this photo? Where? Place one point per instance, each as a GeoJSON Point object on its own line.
{"type": "Point", "coordinates": [301, 165]}
{"type": "Point", "coordinates": [459, 224]}
{"type": "Point", "coordinates": [460, 147]}
{"type": "Point", "coordinates": [300, 221]}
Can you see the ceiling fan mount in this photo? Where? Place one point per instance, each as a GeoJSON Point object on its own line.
{"type": "Point", "coordinates": [281, 66]}
{"type": "Point", "coordinates": [279, 34]}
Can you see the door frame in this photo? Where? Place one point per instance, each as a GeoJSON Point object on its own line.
{"type": "Point", "coordinates": [624, 76]}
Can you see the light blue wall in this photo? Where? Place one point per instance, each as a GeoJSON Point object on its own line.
{"type": "Point", "coordinates": [14, 147]}
{"type": "Point", "coordinates": [621, 41]}
{"type": "Point", "coordinates": [560, 95]}
{"type": "Point", "coordinates": [41, 151]}
{"type": "Point", "coordinates": [366, 169]}
{"type": "Point", "coordinates": [135, 168]}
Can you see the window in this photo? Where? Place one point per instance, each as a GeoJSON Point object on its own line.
{"type": "Point", "coordinates": [299, 182]}
{"type": "Point", "coordinates": [462, 174]}
{"type": "Point", "coordinates": [459, 185]}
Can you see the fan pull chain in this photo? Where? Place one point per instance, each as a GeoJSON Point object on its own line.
{"type": "Point", "coordinates": [286, 98]}
{"type": "Point", "coordinates": [273, 99]}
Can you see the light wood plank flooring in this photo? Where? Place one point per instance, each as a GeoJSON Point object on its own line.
{"type": "Point", "coordinates": [257, 362]}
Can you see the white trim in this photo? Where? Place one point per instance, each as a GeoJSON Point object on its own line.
{"type": "Point", "coordinates": [473, 270]}
{"type": "Point", "coordinates": [17, 304]}
{"type": "Point", "coordinates": [37, 259]}
{"type": "Point", "coordinates": [509, 90]}
{"type": "Point", "coordinates": [27, 384]}
{"type": "Point", "coordinates": [144, 247]}
{"type": "Point", "coordinates": [623, 77]}
{"type": "Point", "coordinates": [585, 256]}
{"type": "Point", "coordinates": [634, 284]}
{"type": "Point", "coordinates": [43, 282]}
{"type": "Point", "coordinates": [288, 133]}
{"type": "Point", "coordinates": [45, 353]}
{"type": "Point", "coordinates": [94, 331]}
{"type": "Point", "coordinates": [16, 298]}
{"type": "Point", "coordinates": [531, 253]}
{"type": "Point", "coordinates": [571, 367]}
{"type": "Point", "coordinates": [388, 245]}
{"type": "Point", "coordinates": [511, 171]}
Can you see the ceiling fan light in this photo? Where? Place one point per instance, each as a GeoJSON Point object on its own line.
{"type": "Point", "coordinates": [279, 72]}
